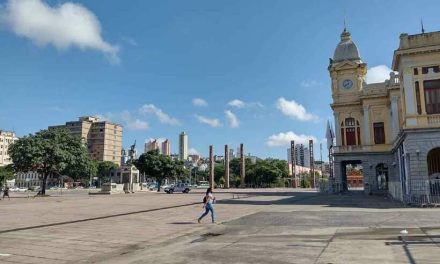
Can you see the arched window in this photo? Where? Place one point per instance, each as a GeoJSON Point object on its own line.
{"type": "Point", "coordinates": [350, 132]}
{"type": "Point", "coordinates": [434, 162]}
{"type": "Point", "coordinates": [382, 176]}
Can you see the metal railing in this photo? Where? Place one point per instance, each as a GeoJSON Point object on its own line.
{"type": "Point", "coordinates": [418, 193]}
{"type": "Point", "coordinates": [330, 186]}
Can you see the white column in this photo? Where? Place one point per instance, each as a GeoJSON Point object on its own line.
{"type": "Point", "coordinates": [410, 101]}
{"type": "Point", "coordinates": [366, 127]}
{"type": "Point", "coordinates": [394, 117]}
{"type": "Point", "coordinates": [337, 129]}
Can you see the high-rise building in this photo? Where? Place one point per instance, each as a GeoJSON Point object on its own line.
{"type": "Point", "coordinates": [152, 144]}
{"type": "Point", "coordinates": [238, 153]}
{"type": "Point", "coordinates": [166, 148]}
{"type": "Point", "coordinates": [302, 155]}
{"type": "Point", "coordinates": [231, 154]}
{"type": "Point", "coordinates": [183, 146]}
{"type": "Point", "coordinates": [6, 139]}
{"type": "Point", "coordinates": [103, 138]}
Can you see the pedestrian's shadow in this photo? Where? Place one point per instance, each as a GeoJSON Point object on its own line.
{"type": "Point", "coordinates": [183, 223]}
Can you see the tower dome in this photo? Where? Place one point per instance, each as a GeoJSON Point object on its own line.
{"type": "Point", "coordinates": [346, 49]}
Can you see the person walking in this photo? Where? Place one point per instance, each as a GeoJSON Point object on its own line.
{"type": "Point", "coordinates": [208, 201]}
{"type": "Point", "coordinates": [6, 193]}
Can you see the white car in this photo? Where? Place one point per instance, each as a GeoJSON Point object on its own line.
{"type": "Point", "coordinates": [14, 189]}
{"type": "Point", "coordinates": [22, 189]}
{"type": "Point", "coordinates": [180, 187]}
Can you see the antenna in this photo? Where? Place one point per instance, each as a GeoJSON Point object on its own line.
{"type": "Point", "coordinates": [345, 22]}
{"type": "Point", "coordinates": [421, 22]}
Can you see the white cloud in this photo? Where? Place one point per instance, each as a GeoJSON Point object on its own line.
{"type": "Point", "coordinates": [283, 139]}
{"type": "Point", "coordinates": [236, 103]}
{"type": "Point", "coordinates": [378, 74]}
{"type": "Point", "coordinates": [138, 125]}
{"type": "Point", "coordinates": [214, 122]}
{"type": "Point", "coordinates": [63, 26]}
{"type": "Point", "coordinates": [294, 110]}
{"type": "Point", "coordinates": [241, 104]}
{"type": "Point", "coordinates": [130, 41]}
{"type": "Point", "coordinates": [199, 102]}
{"type": "Point", "coordinates": [125, 115]}
{"type": "Point", "coordinates": [163, 117]}
{"type": "Point", "coordinates": [309, 83]}
{"type": "Point", "coordinates": [232, 119]}
{"type": "Point", "coordinates": [193, 151]}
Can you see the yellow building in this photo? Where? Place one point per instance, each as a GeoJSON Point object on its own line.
{"type": "Point", "coordinates": [392, 129]}
{"type": "Point", "coordinates": [104, 139]}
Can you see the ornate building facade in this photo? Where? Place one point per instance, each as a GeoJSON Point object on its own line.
{"type": "Point", "coordinates": [391, 129]}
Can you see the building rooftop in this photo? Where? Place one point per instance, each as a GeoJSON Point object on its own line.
{"type": "Point", "coordinates": [416, 44]}
{"type": "Point", "coordinates": [346, 49]}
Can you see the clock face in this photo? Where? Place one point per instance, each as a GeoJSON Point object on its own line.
{"type": "Point", "coordinates": [347, 84]}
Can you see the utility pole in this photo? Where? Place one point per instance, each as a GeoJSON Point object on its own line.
{"type": "Point", "coordinates": [226, 167]}
{"type": "Point", "coordinates": [322, 171]}
{"type": "Point", "coordinates": [242, 166]}
{"type": "Point", "coordinates": [211, 166]}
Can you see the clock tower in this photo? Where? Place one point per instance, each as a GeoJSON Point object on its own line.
{"type": "Point", "coordinates": [347, 71]}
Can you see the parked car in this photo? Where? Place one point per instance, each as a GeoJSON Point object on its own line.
{"type": "Point", "coordinates": [152, 187]}
{"type": "Point", "coordinates": [203, 185]}
{"type": "Point", "coordinates": [22, 189]}
{"type": "Point", "coordinates": [14, 189]}
{"type": "Point", "coordinates": [180, 187]}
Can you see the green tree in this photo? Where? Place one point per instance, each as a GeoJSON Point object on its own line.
{"type": "Point", "coordinates": [6, 173]}
{"type": "Point", "coordinates": [158, 166]}
{"type": "Point", "coordinates": [104, 168]}
{"type": "Point", "coordinates": [219, 172]}
{"type": "Point", "coordinates": [51, 152]}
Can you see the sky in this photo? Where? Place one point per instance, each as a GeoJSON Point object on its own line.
{"type": "Point", "coordinates": [225, 72]}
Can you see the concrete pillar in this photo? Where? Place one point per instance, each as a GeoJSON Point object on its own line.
{"type": "Point", "coordinates": [366, 129]}
{"type": "Point", "coordinates": [211, 167]}
{"type": "Point", "coordinates": [226, 167]}
{"type": "Point", "coordinates": [337, 129]}
{"type": "Point", "coordinates": [242, 166]}
{"type": "Point", "coordinates": [394, 116]}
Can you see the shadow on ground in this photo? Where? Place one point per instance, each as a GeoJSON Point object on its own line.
{"type": "Point", "coordinates": [353, 199]}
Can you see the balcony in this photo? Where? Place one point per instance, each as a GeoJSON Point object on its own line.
{"type": "Point", "coordinates": [341, 149]}
{"type": "Point", "coordinates": [434, 120]}
{"type": "Point", "coordinates": [364, 148]}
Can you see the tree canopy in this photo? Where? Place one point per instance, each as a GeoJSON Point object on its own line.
{"type": "Point", "coordinates": [159, 166]}
{"type": "Point", "coordinates": [104, 168]}
{"type": "Point", "coordinates": [6, 173]}
{"type": "Point", "coordinates": [52, 152]}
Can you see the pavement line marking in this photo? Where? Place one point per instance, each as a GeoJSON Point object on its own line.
{"type": "Point", "coordinates": [5, 255]}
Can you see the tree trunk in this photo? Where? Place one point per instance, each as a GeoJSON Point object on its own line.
{"type": "Point", "coordinates": [158, 186]}
{"type": "Point", "coordinates": [43, 188]}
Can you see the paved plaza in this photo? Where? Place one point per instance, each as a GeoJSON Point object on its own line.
{"type": "Point", "coordinates": [254, 226]}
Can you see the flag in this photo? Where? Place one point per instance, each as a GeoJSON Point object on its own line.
{"type": "Point", "coordinates": [329, 135]}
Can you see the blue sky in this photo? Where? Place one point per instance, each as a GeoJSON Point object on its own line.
{"type": "Point", "coordinates": [142, 63]}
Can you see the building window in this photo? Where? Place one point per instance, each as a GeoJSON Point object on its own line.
{"type": "Point", "coordinates": [350, 132]}
{"type": "Point", "coordinates": [434, 163]}
{"type": "Point", "coordinates": [419, 105]}
{"type": "Point", "coordinates": [379, 133]}
{"type": "Point", "coordinates": [416, 71]}
{"type": "Point", "coordinates": [435, 69]}
{"type": "Point", "coordinates": [432, 96]}
{"type": "Point", "coordinates": [382, 176]}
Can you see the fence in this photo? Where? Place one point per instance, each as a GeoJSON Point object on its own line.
{"type": "Point", "coordinates": [418, 192]}
{"type": "Point", "coordinates": [330, 186]}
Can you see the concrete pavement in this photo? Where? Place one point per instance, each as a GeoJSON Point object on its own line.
{"type": "Point", "coordinates": [262, 226]}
